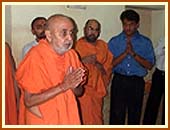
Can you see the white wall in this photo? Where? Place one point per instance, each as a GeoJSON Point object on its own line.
{"type": "Point", "coordinates": [22, 15]}
{"type": "Point", "coordinates": [18, 19]}
{"type": "Point", "coordinates": [8, 24]}
{"type": "Point", "coordinates": [158, 25]}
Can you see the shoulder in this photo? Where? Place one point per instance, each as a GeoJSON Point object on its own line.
{"type": "Point", "coordinates": [102, 43]}
{"type": "Point", "coordinates": [30, 44]}
{"type": "Point", "coordinates": [35, 51]}
{"type": "Point", "coordinates": [144, 38]}
{"type": "Point", "coordinates": [117, 37]}
{"type": "Point", "coordinates": [81, 39]}
{"type": "Point", "coordinates": [80, 44]}
{"type": "Point", "coordinates": [161, 40]}
{"type": "Point", "coordinates": [72, 53]}
{"type": "Point", "coordinates": [32, 54]}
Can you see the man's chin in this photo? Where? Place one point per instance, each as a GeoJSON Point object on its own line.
{"type": "Point", "coordinates": [91, 40]}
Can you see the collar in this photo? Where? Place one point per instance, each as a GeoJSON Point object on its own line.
{"type": "Point", "coordinates": [135, 35]}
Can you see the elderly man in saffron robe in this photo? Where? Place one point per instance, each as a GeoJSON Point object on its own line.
{"type": "Point", "coordinates": [51, 76]}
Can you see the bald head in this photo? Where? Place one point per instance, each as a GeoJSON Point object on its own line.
{"type": "Point", "coordinates": [60, 32]}
{"type": "Point", "coordinates": [58, 18]}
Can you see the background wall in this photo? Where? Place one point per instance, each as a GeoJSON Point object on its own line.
{"type": "Point", "coordinates": [22, 15]}
{"type": "Point", "coordinates": [18, 19]}
{"type": "Point", "coordinates": [157, 25]}
{"type": "Point", "coordinates": [8, 24]}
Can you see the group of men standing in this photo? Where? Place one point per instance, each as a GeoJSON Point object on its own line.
{"type": "Point", "coordinates": [65, 85]}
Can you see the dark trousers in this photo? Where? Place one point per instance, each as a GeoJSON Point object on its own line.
{"type": "Point", "coordinates": [156, 93]}
{"type": "Point", "coordinates": [126, 95]}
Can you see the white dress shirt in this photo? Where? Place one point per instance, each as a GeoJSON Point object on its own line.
{"type": "Point", "coordinates": [27, 47]}
{"type": "Point", "coordinates": [160, 54]}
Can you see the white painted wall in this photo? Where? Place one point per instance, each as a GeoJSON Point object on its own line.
{"type": "Point", "coordinates": [158, 25]}
{"type": "Point", "coordinates": [8, 24]}
{"type": "Point", "coordinates": [18, 19]}
{"type": "Point", "coordinates": [22, 15]}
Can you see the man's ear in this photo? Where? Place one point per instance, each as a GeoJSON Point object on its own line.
{"type": "Point", "coordinates": [48, 35]}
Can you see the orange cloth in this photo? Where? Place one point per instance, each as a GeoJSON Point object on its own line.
{"type": "Point", "coordinates": [41, 69]}
{"type": "Point", "coordinates": [91, 102]}
{"type": "Point", "coordinates": [10, 97]}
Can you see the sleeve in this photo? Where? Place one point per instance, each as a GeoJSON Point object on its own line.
{"type": "Point", "coordinates": [25, 50]}
{"type": "Point", "coordinates": [146, 50]}
{"type": "Point", "coordinates": [30, 74]}
{"type": "Point", "coordinates": [108, 66]}
{"type": "Point", "coordinates": [23, 53]}
{"type": "Point", "coordinates": [160, 49]}
{"type": "Point", "coordinates": [110, 45]}
{"type": "Point", "coordinates": [150, 53]}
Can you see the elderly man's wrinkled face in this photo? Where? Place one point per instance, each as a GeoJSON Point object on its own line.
{"type": "Point", "coordinates": [92, 31]}
{"type": "Point", "coordinates": [61, 35]}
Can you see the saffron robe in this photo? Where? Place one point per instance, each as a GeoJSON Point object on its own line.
{"type": "Point", "coordinates": [92, 101]}
{"type": "Point", "coordinates": [10, 96]}
{"type": "Point", "coordinates": [40, 70]}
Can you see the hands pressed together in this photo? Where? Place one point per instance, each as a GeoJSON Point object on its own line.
{"type": "Point", "coordinates": [129, 48]}
{"type": "Point", "coordinates": [74, 78]}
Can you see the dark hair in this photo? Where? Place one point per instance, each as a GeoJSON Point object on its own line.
{"type": "Point", "coordinates": [130, 15]}
{"type": "Point", "coordinates": [35, 19]}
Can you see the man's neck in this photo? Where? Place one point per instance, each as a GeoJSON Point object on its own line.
{"type": "Point", "coordinates": [129, 37]}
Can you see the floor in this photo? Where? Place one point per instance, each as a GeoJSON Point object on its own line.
{"type": "Point", "coordinates": [106, 109]}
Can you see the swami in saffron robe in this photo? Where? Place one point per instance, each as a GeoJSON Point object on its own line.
{"type": "Point", "coordinates": [40, 70]}
{"type": "Point", "coordinates": [10, 96]}
{"type": "Point", "coordinates": [92, 100]}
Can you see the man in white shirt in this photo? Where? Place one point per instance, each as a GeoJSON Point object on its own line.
{"type": "Point", "coordinates": [158, 87]}
{"type": "Point", "coordinates": [37, 29]}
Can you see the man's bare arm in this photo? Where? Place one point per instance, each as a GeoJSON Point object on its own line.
{"type": "Point", "coordinates": [72, 80]}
